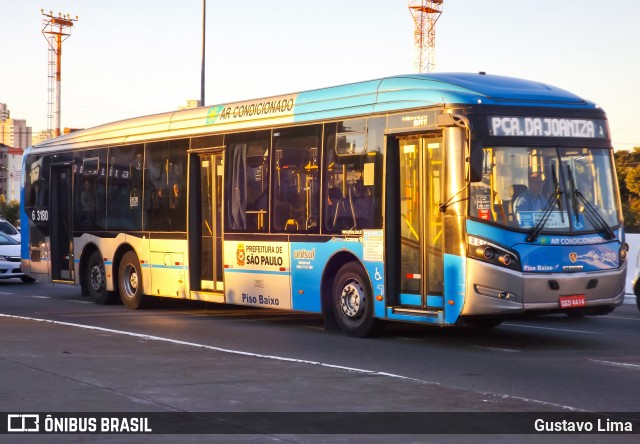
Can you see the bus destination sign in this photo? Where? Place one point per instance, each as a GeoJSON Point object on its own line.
{"type": "Point", "coordinates": [518, 126]}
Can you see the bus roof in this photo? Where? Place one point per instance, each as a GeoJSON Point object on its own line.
{"type": "Point", "coordinates": [388, 94]}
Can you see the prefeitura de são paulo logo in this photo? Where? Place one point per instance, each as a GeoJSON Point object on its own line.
{"type": "Point", "coordinates": [240, 255]}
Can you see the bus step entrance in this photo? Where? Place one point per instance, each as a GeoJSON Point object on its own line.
{"type": "Point", "coordinates": [426, 312]}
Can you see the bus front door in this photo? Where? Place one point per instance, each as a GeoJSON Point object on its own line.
{"type": "Point", "coordinates": [61, 224]}
{"type": "Point", "coordinates": [211, 182]}
{"type": "Point", "coordinates": [420, 235]}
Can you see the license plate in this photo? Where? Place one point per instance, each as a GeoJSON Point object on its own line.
{"type": "Point", "coordinates": [572, 301]}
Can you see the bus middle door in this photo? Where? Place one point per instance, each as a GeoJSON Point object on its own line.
{"type": "Point", "coordinates": [420, 236]}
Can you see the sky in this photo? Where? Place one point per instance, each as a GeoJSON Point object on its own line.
{"type": "Point", "coordinates": [137, 57]}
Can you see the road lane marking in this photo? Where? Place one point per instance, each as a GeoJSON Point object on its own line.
{"type": "Point", "coordinates": [39, 297]}
{"type": "Point", "coordinates": [284, 359]}
{"type": "Point", "coordinates": [616, 364]}
{"type": "Point", "coordinates": [555, 329]}
{"type": "Point", "coordinates": [497, 349]}
{"type": "Point", "coordinates": [623, 318]}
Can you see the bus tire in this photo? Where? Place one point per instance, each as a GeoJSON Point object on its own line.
{"type": "Point", "coordinates": [353, 301]}
{"type": "Point", "coordinates": [96, 280]}
{"type": "Point", "coordinates": [130, 281]}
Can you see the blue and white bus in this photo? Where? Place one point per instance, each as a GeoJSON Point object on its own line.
{"type": "Point", "coordinates": [394, 199]}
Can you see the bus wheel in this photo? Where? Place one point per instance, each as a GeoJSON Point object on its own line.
{"type": "Point", "coordinates": [96, 280]}
{"type": "Point", "coordinates": [130, 281]}
{"type": "Point", "coordinates": [352, 301]}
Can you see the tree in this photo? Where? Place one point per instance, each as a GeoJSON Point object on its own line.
{"type": "Point", "coordinates": [628, 170]}
{"type": "Point", "coordinates": [10, 211]}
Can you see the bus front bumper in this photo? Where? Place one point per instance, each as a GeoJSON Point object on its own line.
{"type": "Point", "coordinates": [493, 290]}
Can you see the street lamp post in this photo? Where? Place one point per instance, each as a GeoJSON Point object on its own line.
{"type": "Point", "coordinates": [204, 21]}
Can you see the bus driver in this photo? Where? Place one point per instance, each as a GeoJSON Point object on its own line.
{"type": "Point", "coordinates": [532, 199]}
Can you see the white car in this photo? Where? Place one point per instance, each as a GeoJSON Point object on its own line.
{"type": "Point", "coordinates": [635, 281]}
{"type": "Point", "coordinates": [9, 230]}
{"type": "Point", "coordinates": [10, 259]}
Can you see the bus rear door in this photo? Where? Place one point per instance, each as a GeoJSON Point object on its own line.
{"type": "Point", "coordinates": [61, 220]}
{"type": "Point", "coordinates": [205, 226]}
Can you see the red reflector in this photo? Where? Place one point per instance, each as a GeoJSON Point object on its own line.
{"type": "Point", "coordinates": [413, 276]}
{"type": "Point", "coordinates": [283, 269]}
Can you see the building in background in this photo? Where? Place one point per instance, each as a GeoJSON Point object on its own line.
{"type": "Point", "coordinates": [10, 167]}
{"type": "Point", "coordinates": [190, 104]}
{"type": "Point", "coordinates": [4, 112]}
{"type": "Point", "coordinates": [13, 132]}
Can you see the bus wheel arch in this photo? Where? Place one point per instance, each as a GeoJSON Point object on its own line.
{"type": "Point", "coordinates": [93, 278]}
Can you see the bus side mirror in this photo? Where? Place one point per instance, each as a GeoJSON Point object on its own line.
{"type": "Point", "coordinates": [476, 159]}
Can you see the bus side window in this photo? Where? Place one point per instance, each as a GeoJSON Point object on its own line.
{"type": "Point", "coordinates": [124, 175]}
{"type": "Point", "coordinates": [165, 182]}
{"type": "Point", "coordinates": [295, 181]}
{"type": "Point", "coordinates": [247, 177]}
{"type": "Point", "coordinates": [352, 188]}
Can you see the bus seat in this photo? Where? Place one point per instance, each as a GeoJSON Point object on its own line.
{"type": "Point", "coordinates": [362, 205]}
{"type": "Point", "coordinates": [291, 225]}
{"type": "Point", "coordinates": [343, 218]}
{"type": "Point", "coordinates": [515, 191]}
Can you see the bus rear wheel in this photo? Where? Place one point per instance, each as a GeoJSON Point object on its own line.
{"type": "Point", "coordinates": [96, 280]}
{"type": "Point", "coordinates": [130, 281]}
{"type": "Point", "coordinates": [353, 301]}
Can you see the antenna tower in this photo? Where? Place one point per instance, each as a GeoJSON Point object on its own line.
{"type": "Point", "coordinates": [55, 30]}
{"type": "Point", "coordinates": [425, 14]}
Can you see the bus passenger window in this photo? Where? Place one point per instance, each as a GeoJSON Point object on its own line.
{"type": "Point", "coordinates": [124, 177]}
{"type": "Point", "coordinates": [296, 184]}
{"type": "Point", "coordinates": [165, 184]}
{"type": "Point", "coordinates": [247, 179]}
{"type": "Point", "coordinates": [352, 187]}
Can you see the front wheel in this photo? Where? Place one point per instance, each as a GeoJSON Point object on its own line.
{"type": "Point", "coordinates": [130, 281]}
{"type": "Point", "coordinates": [353, 301]}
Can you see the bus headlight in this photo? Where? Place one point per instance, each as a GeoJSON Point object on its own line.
{"type": "Point", "coordinates": [489, 252]}
{"type": "Point", "coordinates": [624, 252]}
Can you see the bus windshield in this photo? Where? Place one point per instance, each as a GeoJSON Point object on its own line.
{"type": "Point", "coordinates": [551, 188]}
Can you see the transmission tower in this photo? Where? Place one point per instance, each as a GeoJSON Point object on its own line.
{"type": "Point", "coordinates": [425, 14]}
{"type": "Point", "coordinates": [55, 30]}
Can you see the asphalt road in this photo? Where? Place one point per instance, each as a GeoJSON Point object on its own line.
{"type": "Point", "coordinates": [543, 364]}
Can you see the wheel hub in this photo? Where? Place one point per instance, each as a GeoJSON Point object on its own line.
{"type": "Point", "coordinates": [96, 277]}
{"type": "Point", "coordinates": [351, 300]}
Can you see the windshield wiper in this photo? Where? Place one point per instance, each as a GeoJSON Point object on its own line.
{"type": "Point", "coordinates": [590, 212]}
{"type": "Point", "coordinates": [594, 216]}
{"type": "Point", "coordinates": [548, 209]}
